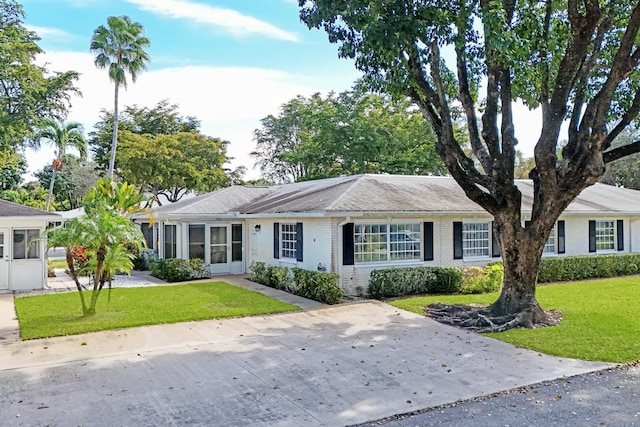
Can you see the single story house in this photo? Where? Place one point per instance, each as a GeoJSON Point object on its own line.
{"type": "Point", "coordinates": [354, 224]}
{"type": "Point", "coordinates": [23, 261]}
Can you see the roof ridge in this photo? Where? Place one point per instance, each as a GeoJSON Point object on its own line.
{"type": "Point", "coordinates": [342, 195]}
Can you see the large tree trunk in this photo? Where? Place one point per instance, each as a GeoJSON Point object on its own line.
{"type": "Point", "coordinates": [521, 251]}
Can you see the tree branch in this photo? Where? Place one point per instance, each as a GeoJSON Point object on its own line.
{"type": "Point", "coordinates": [620, 152]}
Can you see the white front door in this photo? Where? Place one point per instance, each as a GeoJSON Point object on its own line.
{"type": "Point", "coordinates": [4, 258]}
{"type": "Point", "coordinates": [219, 249]}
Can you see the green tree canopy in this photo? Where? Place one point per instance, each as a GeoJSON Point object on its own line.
{"type": "Point", "coordinates": [348, 133]}
{"type": "Point", "coordinates": [28, 92]}
{"type": "Point", "coordinates": [575, 61]}
{"type": "Point", "coordinates": [162, 119]}
{"type": "Point", "coordinates": [163, 153]}
{"type": "Point", "coordinates": [12, 166]}
{"type": "Point", "coordinates": [73, 180]}
{"type": "Point", "coordinates": [172, 165]}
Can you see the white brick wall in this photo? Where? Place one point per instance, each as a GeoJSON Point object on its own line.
{"type": "Point", "coordinates": [322, 243]}
{"type": "Point", "coordinates": [317, 243]}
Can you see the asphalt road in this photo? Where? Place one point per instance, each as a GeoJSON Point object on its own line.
{"type": "Point", "coordinates": [610, 397]}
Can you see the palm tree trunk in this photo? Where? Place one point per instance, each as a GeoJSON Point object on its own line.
{"type": "Point", "coordinates": [114, 142]}
{"type": "Point", "coordinates": [53, 178]}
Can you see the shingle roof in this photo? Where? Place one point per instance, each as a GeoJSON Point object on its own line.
{"type": "Point", "coordinates": [8, 209]}
{"type": "Point", "coordinates": [380, 193]}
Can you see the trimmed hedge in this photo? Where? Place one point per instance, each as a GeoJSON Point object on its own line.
{"type": "Point", "coordinates": [178, 270]}
{"type": "Point", "coordinates": [564, 269]}
{"type": "Point", "coordinates": [315, 285]}
{"type": "Point", "coordinates": [393, 282]}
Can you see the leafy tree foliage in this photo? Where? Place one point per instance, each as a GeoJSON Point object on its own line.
{"type": "Point", "coordinates": [121, 48]}
{"type": "Point", "coordinates": [163, 153]}
{"type": "Point", "coordinates": [12, 166]}
{"type": "Point", "coordinates": [349, 133]}
{"type": "Point", "coordinates": [171, 165]}
{"type": "Point", "coordinates": [29, 195]}
{"type": "Point", "coordinates": [28, 92]}
{"type": "Point", "coordinates": [575, 61]}
{"type": "Point", "coordinates": [73, 181]}
{"type": "Point", "coordinates": [163, 119]}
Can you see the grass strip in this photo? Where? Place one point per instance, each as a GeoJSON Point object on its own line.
{"type": "Point", "coordinates": [601, 320]}
{"type": "Point", "coordinates": [61, 314]}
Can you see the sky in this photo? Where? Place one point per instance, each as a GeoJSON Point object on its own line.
{"type": "Point", "coordinates": [229, 63]}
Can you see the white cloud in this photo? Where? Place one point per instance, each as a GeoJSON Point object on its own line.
{"type": "Point", "coordinates": [49, 32]}
{"type": "Point", "coordinates": [227, 19]}
{"type": "Point", "coordinates": [229, 101]}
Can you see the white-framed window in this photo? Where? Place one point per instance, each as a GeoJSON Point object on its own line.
{"type": "Point", "coordinates": [386, 242]}
{"type": "Point", "coordinates": [288, 240]}
{"type": "Point", "coordinates": [605, 236]}
{"type": "Point", "coordinates": [550, 246]}
{"type": "Point", "coordinates": [25, 243]}
{"type": "Point", "coordinates": [475, 240]}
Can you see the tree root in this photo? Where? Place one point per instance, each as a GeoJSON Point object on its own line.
{"type": "Point", "coordinates": [480, 319]}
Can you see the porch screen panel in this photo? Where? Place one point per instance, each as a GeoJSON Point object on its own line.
{"type": "Point", "coordinates": [147, 232]}
{"type": "Point", "coordinates": [170, 244]}
{"type": "Point", "coordinates": [25, 244]}
{"type": "Point", "coordinates": [218, 248]}
{"type": "Point", "coordinates": [196, 241]}
{"type": "Point", "coordinates": [236, 242]}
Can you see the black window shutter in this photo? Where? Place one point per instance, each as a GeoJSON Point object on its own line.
{"type": "Point", "coordinates": [561, 244]}
{"type": "Point", "coordinates": [428, 241]}
{"type": "Point", "coordinates": [457, 240]}
{"type": "Point", "coordinates": [495, 245]}
{"type": "Point", "coordinates": [620, 235]}
{"type": "Point", "coordinates": [592, 236]}
{"type": "Point", "coordinates": [347, 244]}
{"type": "Point", "coordinates": [299, 241]}
{"type": "Point", "coordinates": [276, 240]}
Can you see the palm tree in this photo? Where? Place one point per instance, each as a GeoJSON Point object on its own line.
{"type": "Point", "coordinates": [61, 136]}
{"type": "Point", "coordinates": [104, 233]}
{"type": "Point", "coordinates": [120, 47]}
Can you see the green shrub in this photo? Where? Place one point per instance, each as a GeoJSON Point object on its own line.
{"type": "Point", "coordinates": [178, 270]}
{"type": "Point", "coordinates": [318, 286]}
{"type": "Point", "coordinates": [315, 285]}
{"type": "Point", "coordinates": [259, 273]}
{"type": "Point", "coordinates": [479, 280]}
{"type": "Point", "coordinates": [562, 269]}
{"type": "Point", "coordinates": [392, 282]}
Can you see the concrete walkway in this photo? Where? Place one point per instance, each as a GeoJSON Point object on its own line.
{"type": "Point", "coordinates": [340, 365]}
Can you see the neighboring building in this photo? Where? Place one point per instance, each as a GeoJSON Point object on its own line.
{"type": "Point", "coordinates": [355, 224]}
{"type": "Point", "coordinates": [23, 262]}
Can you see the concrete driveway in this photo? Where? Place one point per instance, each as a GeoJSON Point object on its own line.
{"type": "Point", "coordinates": [334, 366]}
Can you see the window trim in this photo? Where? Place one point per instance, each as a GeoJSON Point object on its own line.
{"type": "Point", "coordinates": [613, 235]}
{"type": "Point", "coordinates": [30, 240]}
{"type": "Point", "coordinates": [388, 242]}
{"type": "Point", "coordinates": [488, 240]}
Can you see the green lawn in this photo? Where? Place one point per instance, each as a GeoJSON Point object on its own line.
{"type": "Point", "coordinates": [601, 319]}
{"type": "Point", "coordinates": [58, 263]}
{"type": "Point", "coordinates": [61, 314]}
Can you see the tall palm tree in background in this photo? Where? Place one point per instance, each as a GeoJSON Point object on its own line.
{"type": "Point", "coordinates": [62, 137]}
{"type": "Point", "coordinates": [120, 47]}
